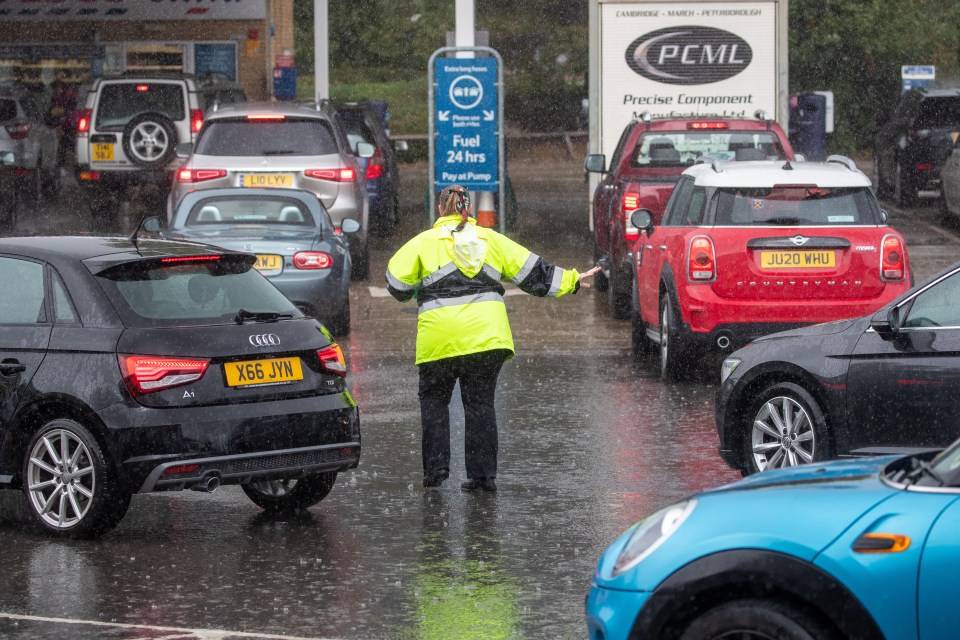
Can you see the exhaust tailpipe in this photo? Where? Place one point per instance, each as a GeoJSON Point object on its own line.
{"type": "Point", "coordinates": [207, 485]}
{"type": "Point", "coordinates": [723, 341]}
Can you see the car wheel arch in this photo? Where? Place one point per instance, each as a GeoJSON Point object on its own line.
{"type": "Point", "coordinates": [731, 575]}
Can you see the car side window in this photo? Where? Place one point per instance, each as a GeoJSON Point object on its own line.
{"type": "Point", "coordinates": [23, 296]}
{"type": "Point", "coordinates": [678, 203]}
{"type": "Point", "coordinates": [618, 151]}
{"type": "Point", "coordinates": [62, 307]}
{"type": "Point", "coordinates": [938, 306]}
{"type": "Point", "coordinates": [696, 207]}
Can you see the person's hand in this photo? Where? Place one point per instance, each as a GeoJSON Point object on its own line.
{"type": "Point", "coordinates": [588, 274]}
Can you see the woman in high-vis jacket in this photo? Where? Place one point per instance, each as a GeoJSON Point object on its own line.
{"type": "Point", "coordinates": [454, 271]}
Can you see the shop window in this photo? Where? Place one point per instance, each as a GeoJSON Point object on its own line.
{"type": "Point", "coordinates": [155, 57]}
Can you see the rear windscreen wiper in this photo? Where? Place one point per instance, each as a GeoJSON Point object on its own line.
{"type": "Point", "coordinates": [278, 152]}
{"type": "Point", "coordinates": [260, 316]}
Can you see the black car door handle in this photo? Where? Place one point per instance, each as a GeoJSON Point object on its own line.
{"type": "Point", "coordinates": [9, 368]}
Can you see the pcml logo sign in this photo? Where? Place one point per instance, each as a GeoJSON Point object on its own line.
{"type": "Point", "coordinates": [265, 340]}
{"type": "Point", "coordinates": [689, 55]}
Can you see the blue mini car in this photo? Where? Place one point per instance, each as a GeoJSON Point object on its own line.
{"type": "Point", "coordinates": [865, 548]}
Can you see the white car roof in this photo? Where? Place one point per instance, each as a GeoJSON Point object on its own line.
{"type": "Point", "coordinates": [766, 174]}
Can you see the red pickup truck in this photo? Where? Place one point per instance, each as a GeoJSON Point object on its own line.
{"type": "Point", "coordinates": [646, 164]}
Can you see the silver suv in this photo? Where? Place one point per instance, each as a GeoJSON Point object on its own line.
{"type": "Point", "coordinates": [26, 133]}
{"type": "Point", "coordinates": [271, 144]}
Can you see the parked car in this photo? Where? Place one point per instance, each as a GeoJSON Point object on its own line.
{"type": "Point", "coordinates": [750, 248]}
{"type": "Point", "coordinates": [910, 149]}
{"type": "Point", "coordinates": [381, 171]}
{"type": "Point", "coordinates": [132, 366]}
{"type": "Point", "coordinates": [292, 236]}
{"type": "Point", "coordinates": [277, 145]}
{"type": "Point", "coordinates": [27, 133]}
{"type": "Point", "coordinates": [645, 167]}
{"type": "Point", "coordinates": [950, 184]}
{"type": "Point", "coordinates": [878, 382]}
{"type": "Point", "coordinates": [860, 549]}
{"type": "Point", "coordinates": [128, 130]}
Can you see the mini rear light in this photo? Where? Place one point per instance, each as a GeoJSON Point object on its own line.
{"type": "Point", "coordinates": [892, 263]}
{"type": "Point", "coordinates": [199, 175]}
{"type": "Point", "coordinates": [312, 260]}
{"type": "Point", "coordinates": [375, 166]}
{"type": "Point", "coordinates": [148, 374]}
{"type": "Point", "coordinates": [702, 260]}
{"type": "Point", "coordinates": [336, 175]}
{"type": "Point", "coordinates": [196, 120]}
{"type": "Point", "coordinates": [142, 88]}
{"type": "Point", "coordinates": [190, 259]}
{"type": "Point", "coordinates": [83, 123]}
{"type": "Point", "coordinates": [706, 125]}
{"type": "Point", "coordinates": [631, 201]}
{"type": "Point", "coordinates": [89, 175]}
{"type": "Point", "coordinates": [266, 117]}
{"type": "Point", "coordinates": [18, 130]}
{"type": "Point", "coordinates": [331, 359]}
{"type": "Point", "coordinates": [924, 166]}
{"type": "Point", "coordinates": [183, 468]}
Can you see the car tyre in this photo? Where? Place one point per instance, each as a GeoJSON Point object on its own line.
{"type": "Point", "coordinates": [104, 205]}
{"type": "Point", "coordinates": [31, 185]}
{"type": "Point", "coordinates": [672, 347]}
{"type": "Point", "coordinates": [618, 291]}
{"type": "Point", "coordinates": [9, 199]}
{"type": "Point", "coordinates": [904, 191]}
{"type": "Point", "coordinates": [883, 188]}
{"type": "Point", "coordinates": [50, 184]}
{"type": "Point", "coordinates": [149, 140]}
{"type": "Point", "coordinates": [600, 281]}
{"type": "Point", "coordinates": [784, 410]}
{"type": "Point", "coordinates": [339, 324]}
{"type": "Point", "coordinates": [639, 342]}
{"type": "Point", "coordinates": [72, 489]}
{"type": "Point", "coordinates": [383, 225]}
{"type": "Point", "coordinates": [755, 619]}
{"type": "Point", "coordinates": [361, 264]}
{"type": "Point", "coordinates": [288, 495]}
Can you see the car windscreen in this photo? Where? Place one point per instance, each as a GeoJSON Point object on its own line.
{"type": "Point", "coordinates": [947, 465]}
{"type": "Point", "coordinates": [795, 205]}
{"type": "Point", "coordinates": [938, 112]}
{"type": "Point", "coordinates": [8, 110]}
{"type": "Point", "coordinates": [120, 103]}
{"type": "Point", "coordinates": [683, 148]}
{"type": "Point", "coordinates": [287, 137]}
{"type": "Point", "coordinates": [178, 291]}
{"type": "Point", "coordinates": [261, 210]}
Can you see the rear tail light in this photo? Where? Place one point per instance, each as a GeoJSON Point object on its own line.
{"type": "Point", "coordinates": [83, 122]}
{"type": "Point", "coordinates": [336, 175]}
{"type": "Point", "coordinates": [924, 166]}
{"type": "Point", "coordinates": [701, 266]}
{"type": "Point", "coordinates": [375, 166]}
{"type": "Point", "coordinates": [631, 201]}
{"type": "Point", "coordinates": [89, 175]}
{"type": "Point", "coordinates": [312, 260]}
{"type": "Point", "coordinates": [706, 125]}
{"type": "Point", "coordinates": [147, 374]}
{"type": "Point", "coordinates": [207, 258]}
{"type": "Point", "coordinates": [331, 359]}
{"type": "Point", "coordinates": [892, 264]}
{"type": "Point", "coordinates": [143, 88]}
{"type": "Point", "coordinates": [631, 234]}
{"type": "Point", "coordinates": [196, 120]}
{"type": "Point", "coordinates": [266, 117]}
{"type": "Point", "coordinates": [199, 175]}
{"type": "Point", "coordinates": [21, 173]}
{"type": "Point", "coordinates": [18, 130]}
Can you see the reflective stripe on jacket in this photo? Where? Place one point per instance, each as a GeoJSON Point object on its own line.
{"type": "Point", "coordinates": [460, 314]}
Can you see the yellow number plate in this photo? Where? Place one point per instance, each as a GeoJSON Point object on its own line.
{"type": "Point", "coordinates": [266, 180]}
{"type": "Point", "coordinates": [256, 372]}
{"type": "Point", "coordinates": [268, 263]}
{"type": "Point", "coordinates": [798, 259]}
{"type": "Point", "coordinates": [103, 152]}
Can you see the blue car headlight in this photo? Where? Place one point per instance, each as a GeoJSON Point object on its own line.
{"type": "Point", "coordinates": [650, 533]}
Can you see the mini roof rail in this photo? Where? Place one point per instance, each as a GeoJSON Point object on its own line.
{"type": "Point", "coordinates": [844, 160]}
{"type": "Point", "coordinates": [710, 160]}
{"type": "Point", "coordinates": [760, 114]}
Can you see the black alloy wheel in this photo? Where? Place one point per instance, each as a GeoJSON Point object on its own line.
{"type": "Point", "coordinates": [289, 495]}
{"type": "Point", "coordinates": [756, 620]}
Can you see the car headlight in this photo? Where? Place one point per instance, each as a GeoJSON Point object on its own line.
{"type": "Point", "coordinates": [729, 366]}
{"type": "Point", "coordinates": [650, 533]}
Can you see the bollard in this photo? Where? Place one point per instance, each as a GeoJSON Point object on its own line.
{"type": "Point", "coordinates": [486, 210]}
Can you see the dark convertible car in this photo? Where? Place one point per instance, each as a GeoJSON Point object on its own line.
{"type": "Point", "coordinates": [134, 366]}
{"type": "Point", "coordinates": [883, 383]}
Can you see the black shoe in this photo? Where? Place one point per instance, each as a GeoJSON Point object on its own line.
{"type": "Point", "coordinates": [476, 484]}
{"type": "Point", "coordinates": [436, 478]}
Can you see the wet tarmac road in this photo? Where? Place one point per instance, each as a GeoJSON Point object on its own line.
{"type": "Point", "coordinates": [589, 443]}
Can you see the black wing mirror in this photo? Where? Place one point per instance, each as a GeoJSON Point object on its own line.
{"type": "Point", "coordinates": [886, 323]}
{"type": "Point", "coordinates": [642, 219]}
{"type": "Point", "coordinates": [595, 163]}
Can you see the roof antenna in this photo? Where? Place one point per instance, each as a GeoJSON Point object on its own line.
{"type": "Point", "coordinates": [787, 166]}
{"type": "Point", "coordinates": [148, 223]}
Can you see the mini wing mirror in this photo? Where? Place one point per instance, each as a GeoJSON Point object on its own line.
{"type": "Point", "coordinates": [8, 158]}
{"type": "Point", "coordinates": [595, 163]}
{"type": "Point", "coordinates": [365, 149]}
{"type": "Point", "coordinates": [799, 157]}
{"type": "Point", "coordinates": [400, 145]}
{"type": "Point", "coordinates": [184, 149]}
{"type": "Point", "coordinates": [884, 215]}
{"type": "Point", "coordinates": [349, 225]}
{"type": "Point", "coordinates": [152, 225]}
{"type": "Point", "coordinates": [642, 219]}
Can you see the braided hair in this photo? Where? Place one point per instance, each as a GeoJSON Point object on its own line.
{"type": "Point", "coordinates": [455, 199]}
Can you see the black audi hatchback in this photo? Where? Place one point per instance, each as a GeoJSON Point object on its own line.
{"type": "Point", "coordinates": [151, 366]}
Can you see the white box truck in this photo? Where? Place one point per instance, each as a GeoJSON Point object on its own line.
{"type": "Point", "coordinates": [681, 58]}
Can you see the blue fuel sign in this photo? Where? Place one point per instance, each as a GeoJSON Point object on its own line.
{"type": "Point", "coordinates": [467, 121]}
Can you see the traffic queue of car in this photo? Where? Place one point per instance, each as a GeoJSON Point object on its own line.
{"type": "Point", "coordinates": [789, 269]}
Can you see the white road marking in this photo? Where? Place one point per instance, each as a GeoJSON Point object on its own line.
{"type": "Point", "coordinates": [200, 634]}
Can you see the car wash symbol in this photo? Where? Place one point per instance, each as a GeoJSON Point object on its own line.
{"type": "Point", "coordinates": [466, 92]}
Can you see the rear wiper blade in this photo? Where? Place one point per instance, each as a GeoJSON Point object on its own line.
{"type": "Point", "coordinates": [922, 468]}
{"type": "Point", "coordinates": [260, 316]}
{"type": "Point", "coordinates": [783, 220]}
{"type": "Point", "coordinates": [278, 152]}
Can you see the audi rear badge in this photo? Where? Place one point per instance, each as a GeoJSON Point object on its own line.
{"type": "Point", "coordinates": [265, 340]}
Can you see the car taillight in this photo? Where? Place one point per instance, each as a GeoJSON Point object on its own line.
{"type": "Point", "coordinates": [924, 166]}
{"type": "Point", "coordinates": [199, 175]}
{"type": "Point", "coordinates": [147, 374]}
{"type": "Point", "coordinates": [196, 120]}
{"type": "Point", "coordinates": [375, 166]}
{"type": "Point", "coordinates": [207, 258]}
{"type": "Point", "coordinates": [336, 175]}
{"type": "Point", "coordinates": [312, 260]}
{"type": "Point", "coordinates": [701, 265]}
{"type": "Point", "coordinates": [83, 122]}
{"type": "Point", "coordinates": [331, 359]}
{"type": "Point", "coordinates": [891, 259]}
{"type": "Point", "coordinates": [89, 175]}
{"type": "Point", "coordinates": [631, 201]}
{"type": "Point", "coordinates": [18, 130]}
{"type": "Point", "coordinates": [706, 125]}
{"type": "Point", "coordinates": [631, 234]}
{"type": "Point", "coordinates": [266, 117]}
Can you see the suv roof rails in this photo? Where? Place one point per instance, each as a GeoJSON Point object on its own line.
{"type": "Point", "coordinates": [710, 160]}
{"type": "Point", "coordinates": [844, 160]}
{"type": "Point", "coordinates": [760, 114]}
{"type": "Point", "coordinates": [644, 117]}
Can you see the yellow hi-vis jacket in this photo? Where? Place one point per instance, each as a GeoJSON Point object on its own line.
{"type": "Point", "coordinates": [455, 278]}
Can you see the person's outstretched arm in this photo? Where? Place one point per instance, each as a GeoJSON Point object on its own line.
{"type": "Point", "coordinates": [534, 275]}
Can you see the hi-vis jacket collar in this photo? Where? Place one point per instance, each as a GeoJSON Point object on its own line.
{"type": "Point", "coordinates": [454, 220]}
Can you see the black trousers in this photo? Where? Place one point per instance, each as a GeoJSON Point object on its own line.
{"type": "Point", "coordinates": [477, 373]}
